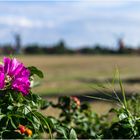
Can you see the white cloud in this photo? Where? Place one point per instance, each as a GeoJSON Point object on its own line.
{"type": "Point", "coordinates": [16, 21]}
{"type": "Point", "coordinates": [79, 21]}
{"type": "Point", "coordinates": [24, 22]}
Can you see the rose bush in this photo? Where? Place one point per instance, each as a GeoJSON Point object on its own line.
{"type": "Point", "coordinates": [19, 107]}
{"type": "Point", "coordinates": [20, 116]}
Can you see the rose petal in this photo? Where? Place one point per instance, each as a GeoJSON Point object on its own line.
{"type": "Point", "coordinates": [18, 73]}
{"type": "Point", "coordinates": [21, 84]}
{"type": "Point", "coordinates": [2, 68]}
{"type": "Point", "coordinates": [2, 79]}
{"type": "Point", "coordinates": [7, 62]}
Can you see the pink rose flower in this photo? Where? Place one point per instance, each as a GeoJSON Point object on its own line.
{"type": "Point", "coordinates": [14, 74]}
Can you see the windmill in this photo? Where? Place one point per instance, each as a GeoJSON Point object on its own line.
{"type": "Point", "coordinates": [120, 41]}
{"type": "Point", "coordinates": [17, 43]}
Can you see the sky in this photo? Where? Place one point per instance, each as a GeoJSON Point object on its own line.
{"type": "Point", "coordinates": [77, 22]}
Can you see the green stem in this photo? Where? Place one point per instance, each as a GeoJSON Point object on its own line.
{"type": "Point", "coordinates": [123, 92]}
{"type": "Point", "coordinates": [41, 123]}
{"type": "Point", "coordinates": [46, 124]}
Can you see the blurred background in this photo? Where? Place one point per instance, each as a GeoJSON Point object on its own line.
{"type": "Point", "coordinates": [76, 43]}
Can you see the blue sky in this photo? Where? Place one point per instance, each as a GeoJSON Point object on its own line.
{"type": "Point", "coordinates": [78, 22]}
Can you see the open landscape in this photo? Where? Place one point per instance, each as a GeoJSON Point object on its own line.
{"type": "Point", "coordinates": [69, 69]}
{"type": "Point", "coordinates": [80, 74]}
{"type": "Point", "coordinates": [77, 74]}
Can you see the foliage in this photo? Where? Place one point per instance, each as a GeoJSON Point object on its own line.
{"type": "Point", "coordinates": [19, 113]}
{"type": "Point", "coordinates": [125, 123]}
{"type": "Point", "coordinates": [80, 117]}
{"type": "Point", "coordinates": [20, 116]}
{"type": "Point", "coordinates": [126, 126]}
{"type": "Point", "coordinates": [134, 105]}
{"type": "Point", "coordinates": [88, 124]}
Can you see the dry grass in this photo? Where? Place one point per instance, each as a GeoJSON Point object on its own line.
{"type": "Point", "coordinates": [74, 74]}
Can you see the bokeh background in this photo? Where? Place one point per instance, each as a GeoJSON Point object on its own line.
{"type": "Point", "coordinates": [78, 44]}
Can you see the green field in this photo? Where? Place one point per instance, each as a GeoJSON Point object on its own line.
{"type": "Point", "coordinates": [76, 74]}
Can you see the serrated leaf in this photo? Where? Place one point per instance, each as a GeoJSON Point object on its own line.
{"type": "Point", "coordinates": [45, 104]}
{"type": "Point", "coordinates": [122, 116]}
{"type": "Point", "coordinates": [62, 131]}
{"type": "Point", "coordinates": [36, 71]}
{"type": "Point", "coordinates": [36, 123]}
{"type": "Point", "coordinates": [26, 109]}
{"type": "Point", "coordinates": [73, 134]}
{"type": "Point", "coordinates": [10, 107]}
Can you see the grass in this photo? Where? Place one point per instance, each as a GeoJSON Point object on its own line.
{"type": "Point", "coordinates": [76, 73]}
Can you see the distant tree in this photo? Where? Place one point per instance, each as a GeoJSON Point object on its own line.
{"type": "Point", "coordinates": [33, 49]}
{"type": "Point", "coordinates": [60, 48]}
{"type": "Point", "coordinates": [86, 50]}
{"type": "Point", "coordinates": [97, 49]}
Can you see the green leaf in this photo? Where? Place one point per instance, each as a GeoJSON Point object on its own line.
{"type": "Point", "coordinates": [122, 116]}
{"type": "Point", "coordinates": [45, 104]}
{"type": "Point", "coordinates": [36, 123]}
{"type": "Point", "coordinates": [52, 122]}
{"type": "Point", "coordinates": [113, 110]}
{"type": "Point", "coordinates": [73, 134]}
{"type": "Point", "coordinates": [36, 71]}
{"type": "Point", "coordinates": [26, 109]}
{"type": "Point", "coordinates": [2, 115]}
{"type": "Point", "coordinates": [10, 107]}
{"type": "Point", "coordinates": [11, 98]}
{"type": "Point", "coordinates": [62, 131]}
{"type": "Point", "coordinates": [44, 121]}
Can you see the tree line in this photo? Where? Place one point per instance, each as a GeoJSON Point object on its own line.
{"type": "Point", "coordinates": [61, 48]}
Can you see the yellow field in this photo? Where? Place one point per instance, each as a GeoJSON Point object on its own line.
{"type": "Point", "coordinates": [76, 74]}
